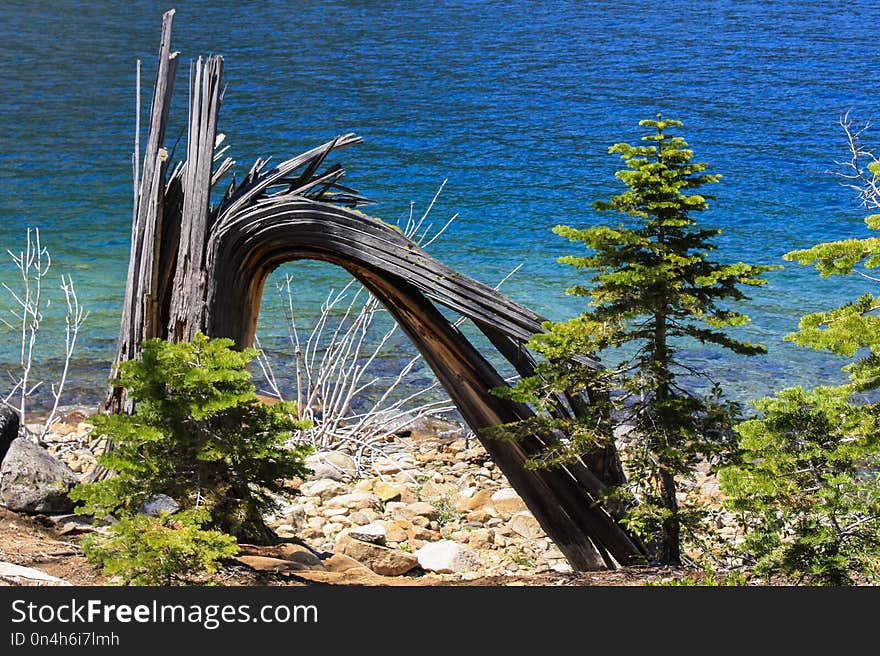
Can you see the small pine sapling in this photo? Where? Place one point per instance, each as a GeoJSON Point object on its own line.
{"type": "Point", "coordinates": [200, 435]}
{"type": "Point", "coordinates": [165, 550]}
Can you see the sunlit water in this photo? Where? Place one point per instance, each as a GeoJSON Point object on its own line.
{"type": "Point", "coordinates": [514, 102]}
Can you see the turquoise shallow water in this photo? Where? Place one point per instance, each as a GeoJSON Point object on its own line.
{"type": "Point", "coordinates": [514, 102]}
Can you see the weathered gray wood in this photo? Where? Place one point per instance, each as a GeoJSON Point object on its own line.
{"type": "Point", "coordinates": [597, 469]}
{"type": "Point", "coordinates": [137, 318]}
{"type": "Point", "coordinates": [318, 225]}
{"type": "Point", "coordinates": [256, 183]}
{"type": "Point", "coordinates": [194, 266]}
{"type": "Point", "coordinates": [152, 188]}
{"type": "Point", "coordinates": [188, 295]}
{"type": "Point", "coordinates": [467, 377]}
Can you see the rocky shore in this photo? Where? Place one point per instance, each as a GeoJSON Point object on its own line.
{"type": "Point", "coordinates": [432, 506]}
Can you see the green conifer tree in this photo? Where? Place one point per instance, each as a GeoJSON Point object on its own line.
{"type": "Point", "coordinates": [200, 435]}
{"type": "Point", "coordinates": [653, 286]}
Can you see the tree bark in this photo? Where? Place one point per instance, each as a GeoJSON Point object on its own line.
{"type": "Point", "coordinates": [671, 549]}
{"type": "Point", "coordinates": [139, 309]}
{"type": "Point", "coordinates": [187, 314]}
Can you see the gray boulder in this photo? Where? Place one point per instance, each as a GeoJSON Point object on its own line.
{"type": "Point", "coordinates": [374, 533]}
{"type": "Point", "coordinates": [156, 505]}
{"type": "Point", "coordinates": [8, 429]}
{"type": "Point", "coordinates": [32, 481]}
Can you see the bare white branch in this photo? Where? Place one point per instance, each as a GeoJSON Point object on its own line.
{"type": "Point", "coordinates": [856, 173]}
{"type": "Point", "coordinates": [28, 304]}
{"type": "Point", "coordinates": [73, 320]}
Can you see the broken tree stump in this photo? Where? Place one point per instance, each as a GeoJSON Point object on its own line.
{"type": "Point", "coordinates": [200, 267]}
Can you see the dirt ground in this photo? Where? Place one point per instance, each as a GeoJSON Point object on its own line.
{"type": "Point", "coordinates": [36, 541]}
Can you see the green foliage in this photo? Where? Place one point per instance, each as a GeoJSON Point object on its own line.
{"type": "Point", "coordinates": [852, 328]}
{"type": "Point", "coordinates": [710, 578]}
{"type": "Point", "coordinates": [808, 491]}
{"type": "Point", "coordinates": [165, 550]}
{"type": "Point", "coordinates": [522, 558]}
{"type": "Point", "coordinates": [653, 286]}
{"type": "Point", "coordinates": [847, 330]}
{"type": "Point", "coordinates": [446, 512]}
{"type": "Point", "coordinates": [200, 435]}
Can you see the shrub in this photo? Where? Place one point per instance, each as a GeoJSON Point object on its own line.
{"type": "Point", "coordinates": [164, 550]}
{"type": "Point", "coordinates": [808, 492]}
{"type": "Point", "coordinates": [200, 435]}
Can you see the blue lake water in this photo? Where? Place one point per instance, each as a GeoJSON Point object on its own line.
{"type": "Point", "coordinates": [515, 103]}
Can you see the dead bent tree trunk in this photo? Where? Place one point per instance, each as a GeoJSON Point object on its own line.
{"type": "Point", "coordinates": [195, 266]}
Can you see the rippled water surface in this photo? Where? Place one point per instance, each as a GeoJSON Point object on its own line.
{"type": "Point", "coordinates": [515, 103]}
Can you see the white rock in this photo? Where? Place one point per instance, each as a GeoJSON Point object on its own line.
{"type": "Point", "coordinates": [420, 520]}
{"type": "Point", "coordinates": [355, 501]}
{"type": "Point", "coordinates": [285, 531]}
{"type": "Point", "coordinates": [370, 514]}
{"type": "Point", "coordinates": [466, 492]}
{"type": "Point", "coordinates": [331, 464]}
{"type": "Point", "coordinates": [423, 509]}
{"type": "Point", "coordinates": [447, 557]}
{"type": "Point", "coordinates": [374, 533]}
{"type": "Point", "coordinates": [386, 466]}
{"type": "Point", "coordinates": [341, 460]}
{"type": "Point", "coordinates": [436, 491]}
{"type": "Point", "coordinates": [480, 538]}
{"type": "Point", "coordinates": [391, 506]}
{"type": "Point", "coordinates": [331, 529]}
{"type": "Point", "coordinates": [19, 575]}
{"type": "Point", "coordinates": [324, 488]}
{"type": "Point", "coordinates": [562, 568]}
